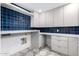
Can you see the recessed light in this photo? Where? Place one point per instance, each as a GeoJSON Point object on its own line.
{"type": "Point", "coordinates": [39, 11]}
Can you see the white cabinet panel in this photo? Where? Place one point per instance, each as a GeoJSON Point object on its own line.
{"type": "Point", "coordinates": [41, 41]}
{"type": "Point", "coordinates": [48, 41]}
{"type": "Point", "coordinates": [72, 46]}
{"type": "Point", "coordinates": [55, 48]}
{"type": "Point", "coordinates": [78, 13]}
{"type": "Point", "coordinates": [46, 19]}
{"type": "Point", "coordinates": [42, 20]}
{"type": "Point", "coordinates": [49, 18]}
{"type": "Point", "coordinates": [52, 42]}
{"type": "Point", "coordinates": [71, 15]}
{"type": "Point", "coordinates": [61, 41]}
{"type": "Point", "coordinates": [59, 44]}
{"type": "Point", "coordinates": [67, 15]}
{"type": "Point", "coordinates": [35, 20]}
{"type": "Point", "coordinates": [58, 16]}
{"type": "Point", "coordinates": [63, 50]}
{"type": "Point", "coordinates": [60, 49]}
{"type": "Point", "coordinates": [78, 46]}
{"type": "Point", "coordinates": [28, 37]}
{"type": "Point", "coordinates": [51, 23]}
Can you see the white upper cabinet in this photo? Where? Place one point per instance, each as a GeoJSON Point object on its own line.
{"type": "Point", "coordinates": [42, 20]}
{"type": "Point", "coordinates": [71, 15]}
{"type": "Point", "coordinates": [35, 20]}
{"type": "Point", "coordinates": [58, 16]}
{"type": "Point", "coordinates": [67, 15]}
{"type": "Point", "coordinates": [51, 23]}
{"type": "Point", "coordinates": [78, 14]}
{"type": "Point", "coordinates": [46, 19]}
{"type": "Point", "coordinates": [49, 18]}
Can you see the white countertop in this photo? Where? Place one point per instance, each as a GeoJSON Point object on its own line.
{"type": "Point", "coordinates": [60, 34]}
{"type": "Point", "coordinates": [18, 31]}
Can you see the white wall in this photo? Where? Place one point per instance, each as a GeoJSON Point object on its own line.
{"type": "Point", "coordinates": [67, 15]}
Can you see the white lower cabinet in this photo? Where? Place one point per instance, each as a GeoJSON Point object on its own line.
{"type": "Point", "coordinates": [65, 45]}
{"type": "Point", "coordinates": [48, 41]}
{"type": "Point", "coordinates": [14, 43]}
{"type": "Point", "coordinates": [72, 46]}
{"type": "Point", "coordinates": [59, 44]}
{"type": "Point", "coordinates": [78, 46]}
{"type": "Point", "coordinates": [41, 41]}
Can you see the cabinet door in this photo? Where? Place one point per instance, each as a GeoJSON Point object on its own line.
{"type": "Point", "coordinates": [54, 45]}
{"type": "Point", "coordinates": [78, 46]}
{"type": "Point", "coordinates": [41, 41]}
{"type": "Point", "coordinates": [48, 41]}
{"type": "Point", "coordinates": [58, 16]}
{"type": "Point", "coordinates": [42, 20]}
{"type": "Point", "coordinates": [59, 44]}
{"type": "Point", "coordinates": [35, 20]}
{"type": "Point", "coordinates": [29, 40]}
{"type": "Point", "coordinates": [52, 42]}
{"type": "Point", "coordinates": [78, 14]}
{"type": "Point", "coordinates": [71, 15]}
{"type": "Point", "coordinates": [49, 18]}
{"type": "Point", "coordinates": [61, 41]}
{"type": "Point", "coordinates": [72, 46]}
{"type": "Point", "coordinates": [51, 23]}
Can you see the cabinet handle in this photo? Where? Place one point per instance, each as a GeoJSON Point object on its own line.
{"type": "Point", "coordinates": [23, 40]}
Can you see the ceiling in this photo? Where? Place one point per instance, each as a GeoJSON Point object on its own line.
{"type": "Point", "coordinates": [40, 7]}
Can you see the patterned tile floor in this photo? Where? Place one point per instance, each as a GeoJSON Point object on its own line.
{"type": "Point", "coordinates": [43, 52]}
{"type": "Point", "coordinates": [47, 52]}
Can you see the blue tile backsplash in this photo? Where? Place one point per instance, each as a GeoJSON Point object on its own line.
{"type": "Point", "coordinates": [66, 30]}
{"type": "Point", "coordinates": [13, 20]}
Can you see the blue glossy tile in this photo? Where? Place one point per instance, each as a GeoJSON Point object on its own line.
{"type": "Point", "coordinates": [12, 20]}
{"type": "Point", "coordinates": [66, 30]}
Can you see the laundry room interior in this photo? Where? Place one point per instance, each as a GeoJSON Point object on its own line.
{"type": "Point", "coordinates": [39, 29]}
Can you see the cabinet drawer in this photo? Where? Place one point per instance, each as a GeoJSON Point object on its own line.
{"type": "Point", "coordinates": [60, 49]}
{"type": "Point", "coordinates": [61, 41]}
{"type": "Point", "coordinates": [59, 38]}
